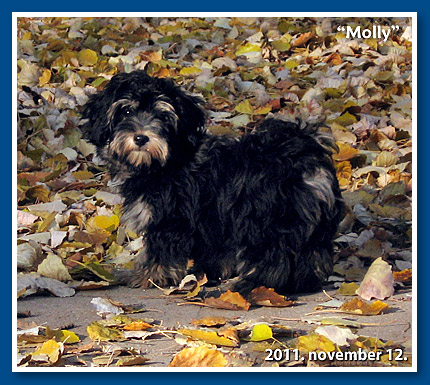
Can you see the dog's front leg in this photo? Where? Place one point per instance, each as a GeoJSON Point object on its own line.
{"type": "Point", "coordinates": [163, 259]}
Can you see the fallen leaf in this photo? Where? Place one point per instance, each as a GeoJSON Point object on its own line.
{"type": "Point", "coordinates": [105, 306]}
{"type": "Point", "coordinates": [403, 276]}
{"type": "Point", "coordinates": [49, 352]}
{"type": "Point", "coordinates": [97, 332]}
{"type": "Point", "coordinates": [208, 337]}
{"type": "Point", "coordinates": [340, 336]}
{"type": "Point", "coordinates": [345, 152]}
{"type": "Point", "coordinates": [131, 361]}
{"type": "Point", "coordinates": [315, 343]}
{"type": "Point", "coordinates": [268, 297]}
{"type": "Point", "coordinates": [52, 267]}
{"type": "Point", "coordinates": [348, 288]}
{"type": "Point", "coordinates": [378, 281]}
{"type": "Point", "coordinates": [261, 332]}
{"type": "Point", "coordinates": [210, 321]}
{"type": "Point", "coordinates": [64, 336]}
{"type": "Point", "coordinates": [201, 356]}
{"type": "Point", "coordinates": [137, 325]}
{"type": "Point", "coordinates": [87, 57]}
{"type": "Point", "coordinates": [302, 39]}
{"type": "Point", "coordinates": [357, 306]}
{"type": "Point", "coordinates": [24, 218]}
{"type": "Point", "coordinates": [228, 300]}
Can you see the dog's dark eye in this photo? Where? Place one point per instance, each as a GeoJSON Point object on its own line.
{"type": "Point", "coordinates": [127, 111]}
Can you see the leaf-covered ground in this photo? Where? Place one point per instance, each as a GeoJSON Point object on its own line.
{"type": "Point", "coordinates": [69, 230]}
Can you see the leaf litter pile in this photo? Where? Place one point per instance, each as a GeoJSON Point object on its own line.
{"type": "Point", "coordinates": [70, 235]}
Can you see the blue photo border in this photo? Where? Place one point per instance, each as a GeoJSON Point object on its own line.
{"type": "Point", "coordinates": [421, 143]}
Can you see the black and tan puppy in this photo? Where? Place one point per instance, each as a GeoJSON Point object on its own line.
{"type": "Point", "coordinates": [264, 207]}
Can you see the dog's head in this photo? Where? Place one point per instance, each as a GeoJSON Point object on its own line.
{"type": "Point", "coordinates": [143, 121]}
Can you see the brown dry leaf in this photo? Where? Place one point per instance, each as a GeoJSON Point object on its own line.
{"type": "Point", "coordinates": [229, 300]}
{"type": "Point", "coordinates": [403, 276]}
{"type": "Point", "coordinates": [92, 238]}
{"type": "Point", "coordinates": [131, 361]}
{"type": "Point", "coordinates": [357, 306]}
{"type": "Point", "coordinates": [371, 249]}
{"type": "Point", "coordinates": [210, 321]}
{"type": "Point", "coordinates": [334, 59]}
{"type": "Point", "coordinates": [209, 337]}
{"type": "Point", "coordinates": [378, 282]}
{"type": "Point", "coordinates": [230, 333]}
{"type": "Point", "coordinates": [268, 297]}
{"type": "Point", "coordinates": [303, 39]}
{"type": "Point", "coordinates": [201, 356]}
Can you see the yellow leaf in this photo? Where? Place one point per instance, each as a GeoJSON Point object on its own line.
{"type": "Point", "coordinates": [346, 119]}
{"type": "Point", "coordinates": [52, 349]}
{"type": "Point", "coordinates": [190, 70]}
{"type": "Point", "coordinates": [248, 47]}
{"type": "Point", "coordinates": [263, 110]}
{"type": "Point", "coordinates": [315, 342]}
{"type": "Point", "coordinates": [82, 175]}
{"type": "Point", "coordinates": [87, 57]}
{"type": "Point", "coordinates": [348, 288]}
{"type": "Point", "coordinates": [45, 77]}
{"type": "Point", "coordinates": [208, 337]}
{"type": "Point", "coordinates": [103, 222]}
{"type": "Point", "coordinates": [245, 107]}
{"type": "Point", "coordinates": [64, 336]}
{"type": "Point", "coordinates": [98, 332]}
{"type": "Point", "coordinates": [201, 356]}
{"type": "Point", "coordinates": [261, 332]}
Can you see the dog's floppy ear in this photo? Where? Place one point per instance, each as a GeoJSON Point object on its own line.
{"type": "Point", "coordinates": [190, 109]}
{"type": "Point", "coordinates": [97, 127]}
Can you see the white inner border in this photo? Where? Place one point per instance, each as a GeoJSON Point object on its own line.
{"type": "Point", "coordinates": [412, 15]}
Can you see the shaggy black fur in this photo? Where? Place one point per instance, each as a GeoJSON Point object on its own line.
{"type": "Point", "coordinates": [264, 207]}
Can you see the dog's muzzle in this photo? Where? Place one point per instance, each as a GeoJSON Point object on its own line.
{"type": "Point", "coordinates": [140, 148]}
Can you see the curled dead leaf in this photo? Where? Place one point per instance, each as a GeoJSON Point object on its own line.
{"type": "Point", "coordinates": [378, 281]}
{"type": "Point", "coordinates": [268, 297]}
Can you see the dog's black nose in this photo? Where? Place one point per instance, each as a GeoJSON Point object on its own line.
{"type": "Point", "coordinates": [140, 140]}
